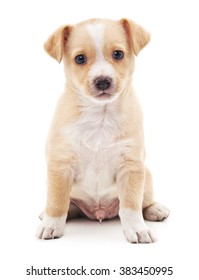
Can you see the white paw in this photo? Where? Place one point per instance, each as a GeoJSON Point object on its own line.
{"type": "Point", "coordinates": [156, 212]}
{"type": "Point", "coordinates": [144, 235]}
{"type": "Point", "coordinates": [51, 228]}
{"type": "Point", "coordinates": [134, 227]}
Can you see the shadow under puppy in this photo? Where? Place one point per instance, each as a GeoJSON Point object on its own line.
{"type": "Point", "coordinates": [95, 149]}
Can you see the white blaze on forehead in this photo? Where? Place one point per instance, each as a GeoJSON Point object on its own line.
{"type": "Point", "coordinates": [101, 67]}
{"type": "Point", "coordinates": [96, 32]}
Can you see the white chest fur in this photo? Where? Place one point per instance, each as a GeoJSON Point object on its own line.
{"type": "Point", "coordinates": [93, 137]}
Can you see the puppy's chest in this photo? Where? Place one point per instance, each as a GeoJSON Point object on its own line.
{"type": "Point", "coordinates": [94, 139]}
{"type": "Point", "coordinates": [99, 160]}
{"type": "Point", "coordinates": [95, 132]}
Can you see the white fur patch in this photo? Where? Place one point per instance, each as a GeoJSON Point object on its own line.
{"type": "Point", "coordinates": [96, 31]}
{"type": "Point", "coordinates": [98, 126]}
{"type": "Point", "coordinates": [93, 138]}
{"type": "Point", "coordinates": [101, 67]}
{"type": "Point", "coordinates": [51, 227]}
{"type": "Point", "coordinates": [134, 226]}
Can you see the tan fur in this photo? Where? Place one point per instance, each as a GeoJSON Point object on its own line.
{"type": "Point", "coordinates": [55, 43]}
{"type": "Point", "coordinates": [132, 179]}
{"type": "Point", "coordinates": [137, 36]}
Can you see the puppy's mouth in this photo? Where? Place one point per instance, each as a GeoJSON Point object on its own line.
{"type": "Point", "coordinates": [103, 95]}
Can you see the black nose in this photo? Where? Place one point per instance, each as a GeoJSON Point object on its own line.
{"type": "Point", "coordinates": [102, 83]}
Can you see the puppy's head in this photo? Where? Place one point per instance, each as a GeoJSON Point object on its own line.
{"type": "Point", "coordinates": [98, 55]}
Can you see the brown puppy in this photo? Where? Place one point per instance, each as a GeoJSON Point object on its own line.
{"type": "Point", "coordinates": [95, 148]}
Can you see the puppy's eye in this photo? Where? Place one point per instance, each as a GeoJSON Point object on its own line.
{"type": "Point", "coordinates": [80, 59]}
{"type": "Point", "coordinates": [117, 55]}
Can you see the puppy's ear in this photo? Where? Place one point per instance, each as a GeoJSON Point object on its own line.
{"type": "Point", "coordinates": [55, 44]}
{"type": "Point", "coordinates": [137, 36]}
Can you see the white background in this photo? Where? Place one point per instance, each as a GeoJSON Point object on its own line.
{"type": "Point", "coordinates": [166, 79]}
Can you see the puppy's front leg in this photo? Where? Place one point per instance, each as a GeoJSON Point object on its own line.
{"type": "Point", "coordinates": [130, 181]}
{"type": "Point", "coordinates": [59, 185]}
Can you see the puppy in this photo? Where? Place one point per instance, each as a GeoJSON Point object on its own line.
{"type": "Point", "coordinates": [95, 148]}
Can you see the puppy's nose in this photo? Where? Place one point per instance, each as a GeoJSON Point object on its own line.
{"type": "Point", "coordinates": [103, 83]}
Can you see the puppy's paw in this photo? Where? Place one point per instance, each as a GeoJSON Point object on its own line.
{"type": "Point", "coordinates": [51, 227]}
{"type": "Point", "coordinates": [144, 235]}
{"type": "Point", "coordinates": [134, 227]}
{"type": "Point", "coordinates": [156, 212]}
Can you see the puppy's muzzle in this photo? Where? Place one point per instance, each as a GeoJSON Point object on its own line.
{"type": "Point", "coordinates": [102, 83]}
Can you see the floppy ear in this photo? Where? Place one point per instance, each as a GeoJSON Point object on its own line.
{"type": "Point", "coordinates": [54, 46]}
{"type": "Point", "coordinates": [137, 36]}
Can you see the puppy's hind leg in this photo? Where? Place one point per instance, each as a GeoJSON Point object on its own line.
{"type": "Point", "coordinates": [152, 211]}
{"type": "Point", "coordinates": [156, 212]}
